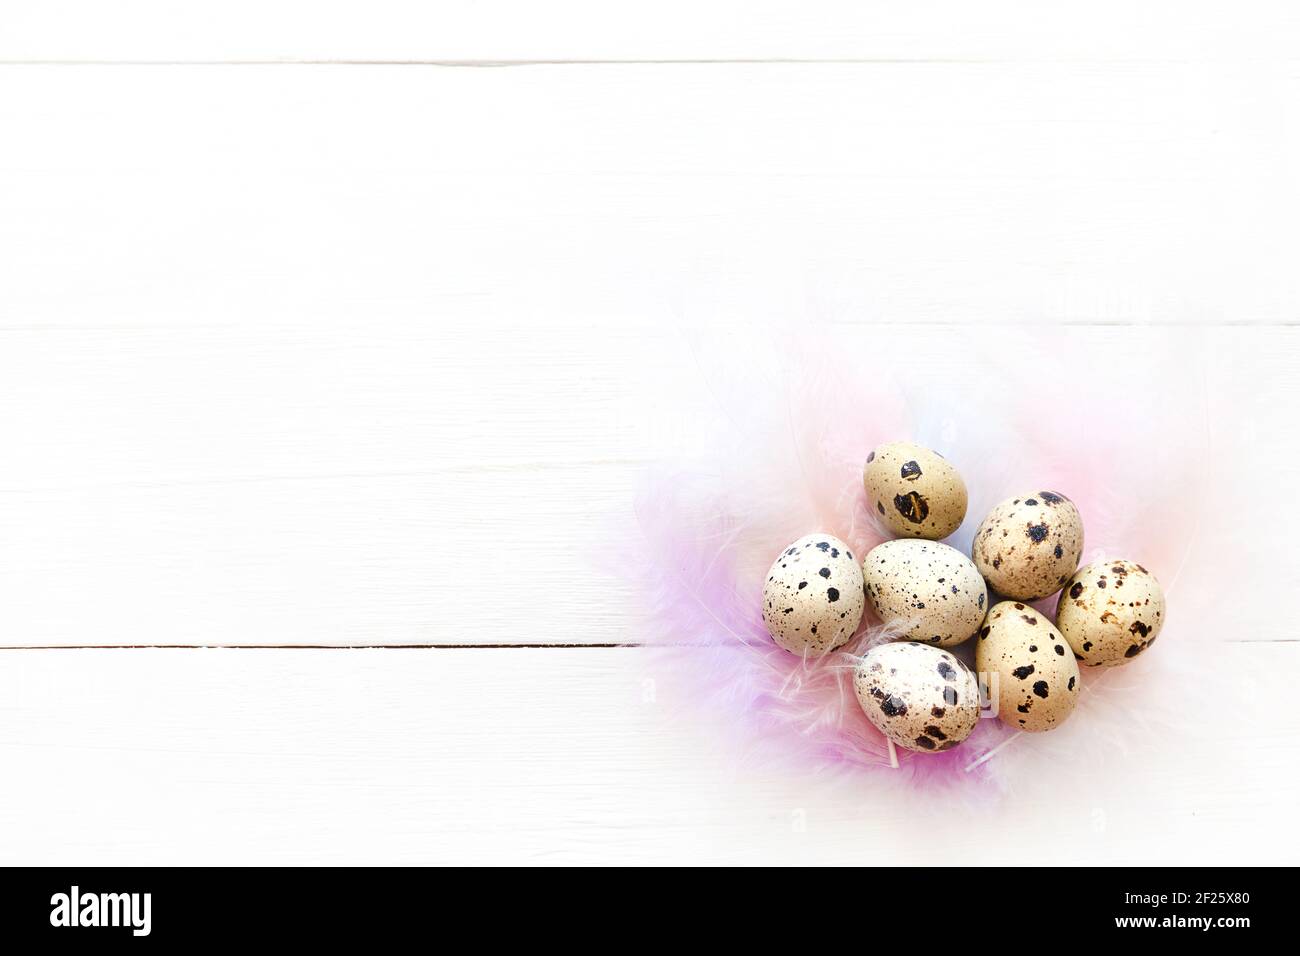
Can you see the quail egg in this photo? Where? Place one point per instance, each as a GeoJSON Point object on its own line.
{"type": "Point", "coordinates": [920, 697]}
{"type": "Point", "coordinates": [1028, 546]}
{"type": "Point", "coordinates": [812, 599]}
{"type": "Point", "coordinates": [1110, 612]}
{"type": "Point", "coordinates": [930, 590]}
{"type": "Point", "coordinates": [1027, 666]}
{"type": "Point", "coordinates": [913, 491]}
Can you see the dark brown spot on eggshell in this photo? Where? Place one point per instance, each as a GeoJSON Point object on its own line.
{"type": "Point", "coordinates": [912, 507]}
{"type": "Point", "coordinates": [893, 706]}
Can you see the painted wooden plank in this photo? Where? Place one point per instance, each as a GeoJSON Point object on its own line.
{"type": "Point", "coordinates": [586, 29]}
{"type": "Point", "coordinates": [307, 356]}
{"type": "Point", "coordinates": [376, 486]}
{"type": "Point", "coordinates": [149, 196]}
{"type": "Point", "coordinates": [562, 756]}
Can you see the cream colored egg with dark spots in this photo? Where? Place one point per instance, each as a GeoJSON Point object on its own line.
{"type": "Point", "coordinates": [913, 492]}
{"type": "Point", "coordinates": [1027, 667]}
{"type": "Point", "coordinates": [920, 697]}
{"type": "Point", "coordinates": [812, 598]}
{"type": "Point", "coordinates": [1110, 612]}
{"type": "Point", "coordinates": [1028, 546]}
{"type": "Point", "coordinates": [925, 590]}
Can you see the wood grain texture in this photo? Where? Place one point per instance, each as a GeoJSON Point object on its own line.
{"type": "Point", "coordinates": [152, 197]}
{"type": "Point", "coordinates": [453, 486]}
{"type": "Point", "coordinates": [513, 30]}
{"type": "Point", "coordinates": [322, 354]}
{"type": "Point", "coordinates": [307, 356]}
{"type": "Point", "coordinates": [556, 756]}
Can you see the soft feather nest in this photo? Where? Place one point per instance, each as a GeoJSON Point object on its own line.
{"type": "Point", "coordinates": [790, 464]}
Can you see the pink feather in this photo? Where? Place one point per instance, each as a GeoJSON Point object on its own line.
{"type": "Point", "coordinates": [793, 466]}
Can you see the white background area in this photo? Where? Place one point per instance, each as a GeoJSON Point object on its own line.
{"type": "Point", "coordinates": [359, 323]}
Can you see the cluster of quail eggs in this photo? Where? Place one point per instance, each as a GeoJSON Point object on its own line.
{"type": "Point", "coordinates": [930, 597]}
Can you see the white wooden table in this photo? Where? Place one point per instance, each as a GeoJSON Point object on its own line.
{"type": "Point", "coordinates": [356, 324]}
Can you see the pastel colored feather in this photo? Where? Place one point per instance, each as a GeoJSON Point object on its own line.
{"type": "Point", "coordinates": [713, 524]}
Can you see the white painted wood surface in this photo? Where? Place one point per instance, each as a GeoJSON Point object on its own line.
{"type": "Point", "coordinates": [505, 30]}
{"type": "Point", "coordinates": [549, 756]}
{"type": "Point", "coordinates": [289, 354]}
{"type": "Point", "coordinates": [455, 484]}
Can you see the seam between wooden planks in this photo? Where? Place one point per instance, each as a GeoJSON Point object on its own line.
{"type": "Point", "coordinates": [308, 647]}
{"type": "Point", "coordinates": [408, 647]}
{"type": "Point", "coordinates": [492, 63]}
{"type": "Point", "coordinates": [976, 322]}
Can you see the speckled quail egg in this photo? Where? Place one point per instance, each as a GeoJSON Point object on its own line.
{"type": "Point", "coordinates": [913, 492]}
{"type": "Point", "coordinates": [928, 589]}
{"type": "Point", "coordinates": [918, 696]}
{"type": "Point", "coordinates": [1110, 612]}
{"type": "Point", "coordinates": [812, 600]}
{"type": "Point", "coordinates": [1027, 666]}
{"type": "Point", "coordinates": [1028, 546]}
